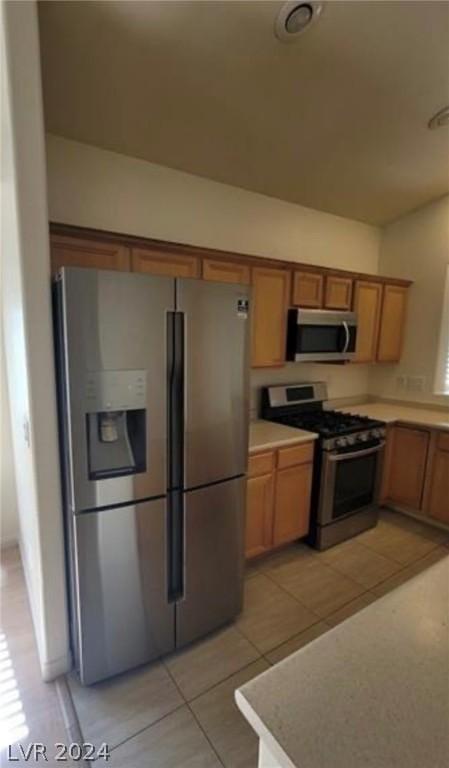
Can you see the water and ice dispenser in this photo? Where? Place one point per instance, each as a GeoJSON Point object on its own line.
{"type": "Point", "coordinates": [116, 423]}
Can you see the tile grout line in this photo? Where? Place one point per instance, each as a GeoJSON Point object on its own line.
{"type": "Point", "coordinates": [147, 727]}
{"type": "Point", "coordinates": [186, 703]}
{"type": "Point", "coordinates": [203, 731]}
{"type": "Point", "coordinates": [397, 562]}
{"type": "Point", "coordinates": [69, 714]}
{"type": "Point", "coordinates": [224, 680]}
{"type": "Point", "coordinates": [319, 618]}
{"type": "Point", "coordinates": [402, 568]}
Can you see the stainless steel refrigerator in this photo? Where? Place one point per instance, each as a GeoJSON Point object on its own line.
{"type": "Point", "coordinates": [153, 405]}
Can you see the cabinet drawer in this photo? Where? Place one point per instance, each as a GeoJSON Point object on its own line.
{"type": "Point", "coordinates": [260, 464]}
{"type": "Point", "coordinates": [443, 441]}
{"type": "Point", "coordinates": [296, 454]}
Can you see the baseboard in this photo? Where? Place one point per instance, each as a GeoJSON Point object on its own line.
{"type": "Point", "coordinates": [416, 515]}
{"type": "Point", "coordinates": [54, 668]}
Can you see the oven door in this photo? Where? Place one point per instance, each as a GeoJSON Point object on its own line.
{"type": "Point", "coordinates": [320, 335]}
{"type": "Point", "coordinates": [350, 482]}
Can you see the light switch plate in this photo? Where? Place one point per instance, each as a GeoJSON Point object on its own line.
{"type": "Point", "coordinates": [416, 383]}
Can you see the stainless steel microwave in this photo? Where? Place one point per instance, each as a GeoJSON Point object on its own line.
{"type": "Point", "coordinates": [319, 335]}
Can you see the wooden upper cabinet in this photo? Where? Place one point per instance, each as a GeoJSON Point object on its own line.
{"type": "Point", "coordinates": [271, 293]}
{"type": "Point", "coordinates": [74, 252]}
{"type": "Point", "coordinates": [338, 292]}
{"type": "Point", "coordinates": [367, 305]}
{"type": "Point", "coordinates": [405, 466]}
{"type": "Point", "coordinates": [392, 323]}
{"type": "Point", "coordinates": [308, 289]}
{"type": "Point", "coordinates": [164, 263]}
{"type": "Point", "coordinates": [225, 271]}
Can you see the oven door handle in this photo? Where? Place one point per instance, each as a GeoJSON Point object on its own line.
{"type": "Point", "coordinates": [356, 454]}
{"type": "Point", "coordinates": [347, 337]}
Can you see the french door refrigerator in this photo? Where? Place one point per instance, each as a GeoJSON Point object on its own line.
{"type": "Point", "coordinates": [153, 407]}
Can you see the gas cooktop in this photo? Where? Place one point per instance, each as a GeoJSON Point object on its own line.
{"type": "Point", "coordinates": [328, 423]}
{"type": "Point", "coordinates": [301, 406]}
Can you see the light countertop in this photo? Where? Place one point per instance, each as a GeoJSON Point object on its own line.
{"type": "Point", "coordinates": [371, 693]}
{"type": "Point", "coordinates": [266, 435]}
{"type": "Point", "coordinates": [406, 414]}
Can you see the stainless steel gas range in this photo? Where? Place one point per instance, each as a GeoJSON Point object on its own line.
{"type": "Point", "coordinates": [347, 465]}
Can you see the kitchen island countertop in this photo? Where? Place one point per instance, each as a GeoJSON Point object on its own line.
{"type": "Point", "coordinates": [371, 693]}
{"type": "Point", "coordinates": [267, 435]}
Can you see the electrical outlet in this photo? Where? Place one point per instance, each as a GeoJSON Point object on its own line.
{"type": "Point", "coordinates": [416, 383]}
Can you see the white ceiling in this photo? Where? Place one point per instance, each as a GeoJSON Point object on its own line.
{"type": "Point", "coordinates": [336, 121]}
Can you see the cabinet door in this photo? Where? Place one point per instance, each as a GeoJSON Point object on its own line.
{"type": "Point", "coordinates": [392, 323]}
{"type": "Point", "coordinates": [405, 466]}
{"type": "Point", "coordinates": [164, 263]}
{"type": "Point", "coordinates": [292, 503]}
{"type": "Point", "coordinates": [259, 515]}
{"type": "Point", "coordinates": [271, 291]}
{"type": "Point", "coordinates": [338, 293]}
{"type": "Point", "coordinates": [225, 271]}
{"type": "Point", "coordinates": [75, 252]}
{"type": "Point", "coordinates": [308, 289]}
{"type": "Point", "coordinates": [367, 305]}
{"type": "Point", "coordinates": [438, 504]}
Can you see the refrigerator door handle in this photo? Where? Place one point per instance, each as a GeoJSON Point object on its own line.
{"type": "Point", "coordinates": [175, 399]}
{"type": "Point", "coordinates": [175, 421]}
{"type": "Point", "coordinates": [175, 545]}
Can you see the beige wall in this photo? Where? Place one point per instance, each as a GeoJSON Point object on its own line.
{"type": "Point", "coordinates": [9, 523]}
{"type": "Point", "coordinates": [416, 246]}
{"type": "Point", "coordinates": [26, 310]}
{"type": "Point", "coordinates": [96, 188]}
{"type": "Point", "coordinates": [93, 187]}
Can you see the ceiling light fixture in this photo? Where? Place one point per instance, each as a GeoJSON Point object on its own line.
{"type": "Point", "coordinates": [294, 18]}
{"type": "Point", "coordinates": [441, 118]}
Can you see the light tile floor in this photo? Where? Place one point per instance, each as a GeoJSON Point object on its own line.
{"type": "Point", "coordinates": [179, 712]}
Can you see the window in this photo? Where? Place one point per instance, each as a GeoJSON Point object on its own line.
{"type": "Point", "coordinates": [442, 376]}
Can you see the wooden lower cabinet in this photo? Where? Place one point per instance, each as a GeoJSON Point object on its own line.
{"type": "Point", "coordinates": [278, 498]}
{"type": "Point", "coordinates": [292, 503]}
{"type": "Point", "coordinates": [439, 490]}
{"type": "Point", "coordinates": [259, 515]}
{"type": "Point", "coordinates": [405, 466]}
{"type": "Point", "coordinates": [438, 480]}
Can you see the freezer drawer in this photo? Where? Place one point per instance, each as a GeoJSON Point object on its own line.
{"type": "Point", "coordinates": [122, 616]}
{"type": "Point", "coordinates": [216, 380]}
{"type": "Point", "coordinates": [214, 519]}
